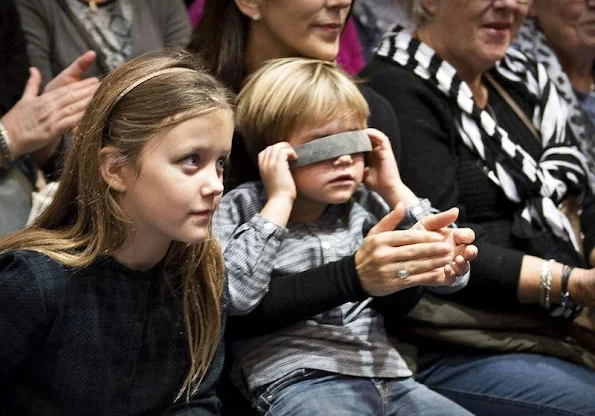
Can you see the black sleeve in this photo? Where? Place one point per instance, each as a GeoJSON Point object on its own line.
{"type": "Point", "coordinates": [383, 118]}
{"type": "Point", "coordinates": [14, 62]}
{"type": "Point", "coordinates": [588, 224]}
{"type": "Point", "coordinates": [296, 297]}
{"type": "Point", "coordinates": [429, 167]}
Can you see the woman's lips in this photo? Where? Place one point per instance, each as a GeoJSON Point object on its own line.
{"type": "Point", "coordinates": [498, 29]}
{"type": "Point", "coordinates": [330, 27]}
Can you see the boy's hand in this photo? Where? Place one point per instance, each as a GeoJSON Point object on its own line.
{"type": "Point", "coordinates": [460, 239]}
{"type": "Point", "coordinates": [273, 163]}
{"type": "Point", "coordinates": [382, 174]}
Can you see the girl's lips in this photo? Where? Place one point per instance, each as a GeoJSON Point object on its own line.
{"type": "Point", "coordinates": [203, 214]}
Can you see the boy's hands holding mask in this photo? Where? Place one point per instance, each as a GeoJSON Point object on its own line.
{"type": "Point", "coordinates": [382, 173]}
{"type": "Point", "coordinates": [273, 163]}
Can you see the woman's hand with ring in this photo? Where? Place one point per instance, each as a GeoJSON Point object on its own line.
{"type": "Point", "coordinates": [422, 253]}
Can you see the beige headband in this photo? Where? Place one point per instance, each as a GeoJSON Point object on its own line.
{"type": "Point", "coordinates": [148, 77]}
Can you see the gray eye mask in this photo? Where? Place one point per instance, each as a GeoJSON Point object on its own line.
{"type": "Point", "coordinates": [330, 147]}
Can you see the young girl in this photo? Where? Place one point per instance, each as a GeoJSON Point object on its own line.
{"type": "Point", "coordinates": [111, 301]}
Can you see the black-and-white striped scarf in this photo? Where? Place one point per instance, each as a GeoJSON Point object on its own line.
{"type": "Point", "coordinates": [539, 185]}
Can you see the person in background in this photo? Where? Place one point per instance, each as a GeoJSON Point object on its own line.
{"type": "Point", "coordinates": [488, 133]}
{"type": "Point", "coordinates": [350, 56]}
{"type": "Point", "coordinates": [561, 36]}
{"type": "Point", "coordinates": [111, 301]}
{"type": "Point", "coordinates": [117, 30]}
{"type": "Point", "coordinates": [13, 56]}
{"type": "Point", "coordinates": [31, 135]}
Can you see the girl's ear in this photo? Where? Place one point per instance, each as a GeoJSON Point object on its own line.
{"type": "Point", "coordinates": [113, 168]}
{"type": "Point", "coordinates": [250, 8]}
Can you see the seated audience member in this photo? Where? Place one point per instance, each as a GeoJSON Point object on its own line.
{"type": "Point", "coordinates": [487, 132]}
{"type": "Point", "coordinates": [58, 31]}
{"type": "Point", "coordinates": [561, 36]}
{"type": "Point", "coordinates": [350, 56]}
{"type": "Point", "coordinates": [31, 136]}
{"type": "Point", "coordinates": [110, 303]}
{"type": "Point", "coordinates": [305, 122]}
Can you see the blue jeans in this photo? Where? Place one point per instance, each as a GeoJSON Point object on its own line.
{"type": "Point", "coordinates": [511, 384]}
{"type": "Point", "coordinates": [313, 392]}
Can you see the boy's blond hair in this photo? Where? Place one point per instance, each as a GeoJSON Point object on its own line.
{"type": "Point", "coordinates": [291, 92]}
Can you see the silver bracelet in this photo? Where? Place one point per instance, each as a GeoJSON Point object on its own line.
{"type": "Point", "coordinates": [6, 151]}
{"type": "Point", "coordinates": [545, 285]}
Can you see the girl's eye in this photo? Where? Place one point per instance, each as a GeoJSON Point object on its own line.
{"type": "Point", "coordinates": [191, 160]}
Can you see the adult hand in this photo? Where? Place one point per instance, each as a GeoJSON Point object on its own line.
{"type": "Point", "coordinates": [37, 121]}
{"type": "Point", "coordinates": [73, 73]}
{"type": "Point", "coordinates": [423, 253]}
{"type": "Point", "coordinates": [273, 163]}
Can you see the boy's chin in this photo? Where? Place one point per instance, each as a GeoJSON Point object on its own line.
{"type": "Point", "coordinates": [339, 199]}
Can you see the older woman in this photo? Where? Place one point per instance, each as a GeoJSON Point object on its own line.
{"type": "Point", "coordinates": [561, 36]}
{"type": "Point", "coordinates": [487, 132]}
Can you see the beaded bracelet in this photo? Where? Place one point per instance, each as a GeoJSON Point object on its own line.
{"type": "Point", "coordinates": [545, 284]}
{"type": "Point", "coordinates": [567, 309]}
{"type": "Point", "coordinates": [5, 146]}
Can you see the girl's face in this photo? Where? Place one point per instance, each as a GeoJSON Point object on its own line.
{"type": "Point", "coordinates": [307, 28]}
{"type": "Point", "coordinates": [473, 34]}
{"type": "Point", "coordinates": [569, 25]}
{"type": "Point", "coordinates": [173, 194]}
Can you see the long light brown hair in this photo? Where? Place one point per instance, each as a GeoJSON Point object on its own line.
{"type": "Point", "coordinates": [85, 220]}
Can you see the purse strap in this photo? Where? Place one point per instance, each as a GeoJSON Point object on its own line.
{"type": "Point", "coordinates": [515, 107]}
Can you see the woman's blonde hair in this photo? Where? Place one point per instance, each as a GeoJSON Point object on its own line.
{"type": "Point", "coordinates": [85, 220]}
{"type": "Point", "coordinates": [291, 92]}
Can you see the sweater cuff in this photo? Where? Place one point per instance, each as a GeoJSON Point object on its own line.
{"type": "Point", "coordinates": [352, 284]}
{"type": "Point", "coordinates": [495, 274]}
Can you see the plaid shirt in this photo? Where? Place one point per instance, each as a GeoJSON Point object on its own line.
{"type": "Point", "coordinates": [349, 339]}
{"type": "Point", "coordinates": [98, 340]}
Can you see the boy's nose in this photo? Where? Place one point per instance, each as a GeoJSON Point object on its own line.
{"type": "Point", "coordinates": [343, 160]}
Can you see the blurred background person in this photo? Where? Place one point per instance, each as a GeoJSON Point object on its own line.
{"type": "Point", "coordinates": [58, 31]}
{"type": "Point", "coordinates": [560, 34]}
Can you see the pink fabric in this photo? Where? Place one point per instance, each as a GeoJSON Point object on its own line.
{"type": "Point", "coordinates": [195, 11]}
{"type": "Point", "coordinates": [350, 58]}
